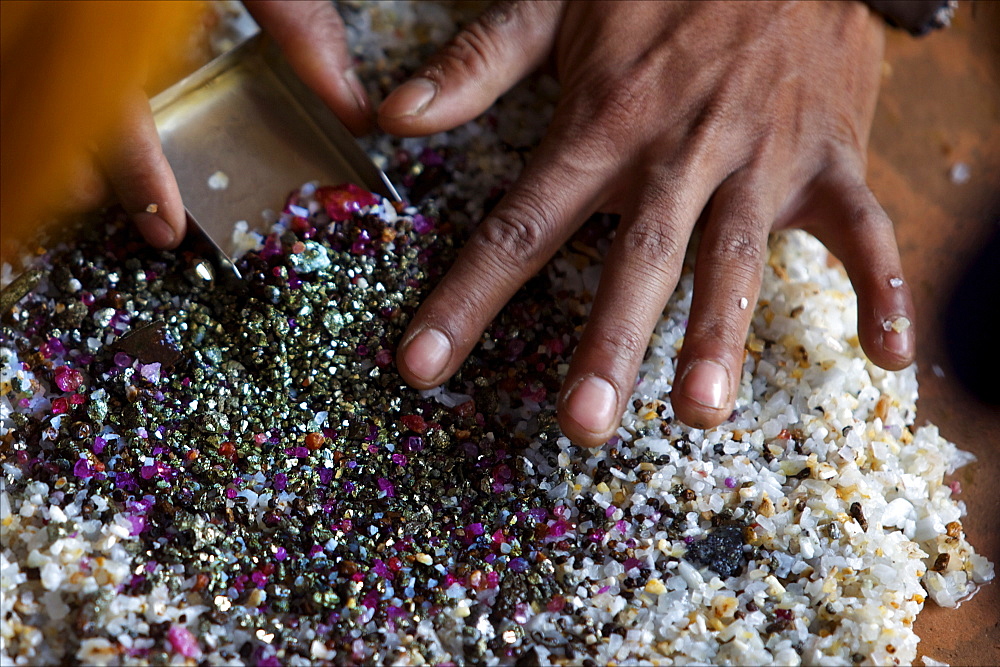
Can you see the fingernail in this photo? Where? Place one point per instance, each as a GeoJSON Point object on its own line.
{"type": "Point", "coordinates": [357, 89]}
{"type": "Point", "coordinates": [898, 337]}
{"type": "Point", "coordinates": [154, 229]}
{"type": "Point", "coordinates": [706, 383]}
{"type": "Point", "coordinates": [427, 354]}
{"type": "Point", "coordinates": [593, 404]}
{"type": "Point", "coordinates": [410, 99]}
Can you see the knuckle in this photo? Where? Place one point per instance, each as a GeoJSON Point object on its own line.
{"type": "Point", "coordinates": [468, 53]}
{"type": "Point", "coordinates": [515, 232]}
{"type": "Point", "coordinates": [655, 244]}
{"type": "Point", "coordinates": [621, 341]}
{"type": "Point", "coordinates": [724, 333]}
{"type": "Point", "coordinates": [739, 246]}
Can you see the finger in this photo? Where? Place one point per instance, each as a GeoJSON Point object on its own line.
{"type": "Point", "coordinates": [554, 194]}
{"type": "Point", "coordinates": [87, 188]}
{"type": "Point", "coordinates": [485, 59]}
{"type": "Point", "coordinates": [141, 176]}
{"type": "Point", "coordinates": [727, 280]}
{"type": "Point", "coordinates": [312, 37]}
{"type": "Point", "coordinates": [639, 275]}
{"type": "Point", "coordinates": [861, 235]}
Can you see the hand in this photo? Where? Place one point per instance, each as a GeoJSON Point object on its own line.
{"type": "Point", "coordinates": [132, 165]}
{"type": "Point", "coordinates": [753, 115]}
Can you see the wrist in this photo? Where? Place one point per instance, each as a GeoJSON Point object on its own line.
{"type": "Point", "coordinates": [917, 17]}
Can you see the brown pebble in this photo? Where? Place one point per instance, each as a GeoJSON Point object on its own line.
{"type": "Point", "coordinates": [941, 562]}
{"type": "Point", "coordinates": [315, 440]}
{"type": "Point", "coordinates": [858, 515]}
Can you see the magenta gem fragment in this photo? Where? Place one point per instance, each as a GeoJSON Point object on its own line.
{"type": "Point", "coordinates": [387, 486]}
{"type": "Point", "coordinates": [730, 483]}
{"type": "Point", "coordinates": [150, 372]}
{"type": "Point", "coordinates": [281, 554]}
{"type": "Point", "coordinates": [280, 481]}
{"type": "Point", "coordinates": [122, 360]}
{"type": "Point", "coordinates": [137, 524]}
{"type": "Point", "coordinates": [383, 358]}
{"type": "Point", "coordinates": [518, 564]}
{"type": "Point", "coordinates": [272, 246]}
{"type": "Point", "coordinates": [60, 406]}
{"type": "Point", "coordinates": [53, 347]}
{"type": "Point", "coordinates": [399, 459]}
{"type": "Point", "coordinates": [556, 604]}
{"type": "Point", "coordinates": [183, 642]}
{"type": "Point", "coordinates": [82, 468]}
{"type": "Point", "coordinates": [68, 379]}
{"type": "Point", "coordinates": [421, 224]}
{"type": "Point", "coordinates": [521, 613]}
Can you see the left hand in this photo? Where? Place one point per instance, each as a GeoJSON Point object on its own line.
{"type": "Point", "coordinates": [130, 167]}
{"type": "Point", "coordinates": [756, 113]}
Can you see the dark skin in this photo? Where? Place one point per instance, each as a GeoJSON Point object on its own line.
{"type": "Point", "coordinates": [752, 117]}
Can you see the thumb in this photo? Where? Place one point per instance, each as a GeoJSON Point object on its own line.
{"type": "Point", "coordinates": [484, 60]}
{"type": "Point", "coordinates": [141, 177]}
{"type": "Point", "coordinates": [313, 40]}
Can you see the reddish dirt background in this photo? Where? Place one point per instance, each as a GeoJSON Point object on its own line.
{"type": "Point", "coordinates": [940, 104]}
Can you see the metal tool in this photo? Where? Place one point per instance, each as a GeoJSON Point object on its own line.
{"type": "Point", "coordinates": [242, 132]}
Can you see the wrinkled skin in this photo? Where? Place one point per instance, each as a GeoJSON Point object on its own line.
{"type": "Point", "coordinates": [747, 117]}
{"type": "Point", "coordinates": [757, 114]}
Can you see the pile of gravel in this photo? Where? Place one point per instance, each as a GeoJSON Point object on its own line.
{"type": "Point", "coordinates": [330, 514]}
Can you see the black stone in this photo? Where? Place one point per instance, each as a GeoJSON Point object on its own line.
{"type": "Point", "coordinates": [721, 551]}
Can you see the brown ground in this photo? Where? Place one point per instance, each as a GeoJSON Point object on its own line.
{"type": "Point", "coordinates": [940, 104]}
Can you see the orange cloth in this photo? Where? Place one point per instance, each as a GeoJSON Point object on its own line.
{"type": "Point", "coordinates": [64, 67]}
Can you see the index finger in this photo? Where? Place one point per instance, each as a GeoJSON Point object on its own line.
{"type": "Point", "coordinates": [555, 193]}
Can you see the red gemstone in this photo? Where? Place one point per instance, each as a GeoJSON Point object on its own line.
{"type": "Point", "coordinates": [343, 201]}
{"type": "Point", "coordinates": [414, 423]}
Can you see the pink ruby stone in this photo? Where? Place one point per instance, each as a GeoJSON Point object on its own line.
{"type": "Point", "coordinates": [343, 201]}
{"type": "Point", "coordinates": [556, 604]}
{"type": "Point", "coordinates": [183, 642]}
{"type": "Point", "coordinates": [68, 379]}
{"type": "Point", "coordinates": [383, 358]}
